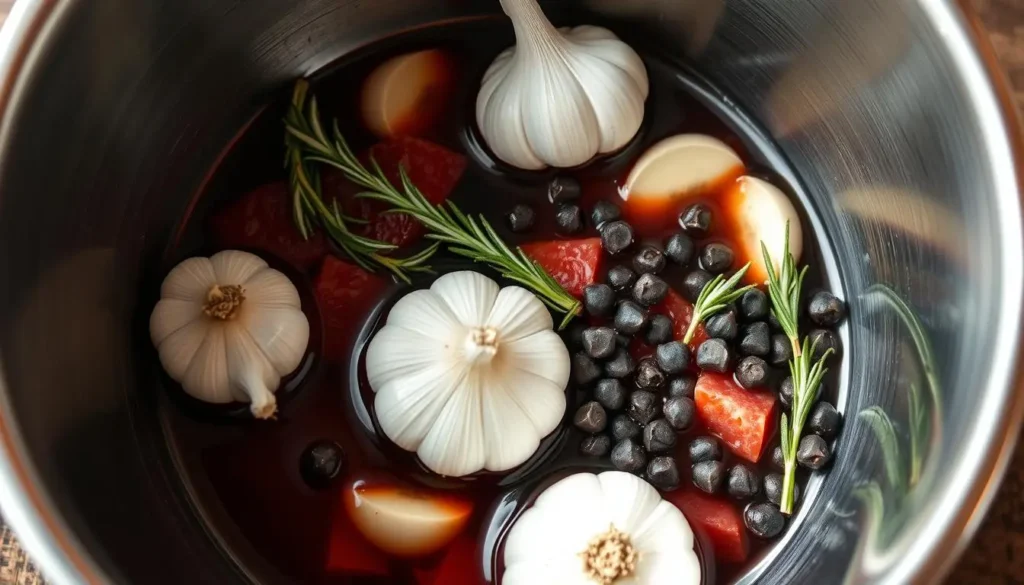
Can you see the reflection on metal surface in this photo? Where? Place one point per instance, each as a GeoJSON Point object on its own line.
{"type": "Point", "coordinates": [696, 20]}
{"type": "Point", "coordinates": [905, 445]}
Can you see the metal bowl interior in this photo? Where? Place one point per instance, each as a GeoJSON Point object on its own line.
{"type": "Point", "coordinates": [112, 113]}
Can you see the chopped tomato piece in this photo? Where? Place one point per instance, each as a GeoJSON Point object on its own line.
{"type": "Point", "coordinates": [262, 220]}
{"type": "Point", "coordinates": [573, 263]}
{"type": "Point", "coordinates": [681, 312]}
{"type": "Point", "coordinates": [348, 552]}
{"type": "Point", "coordinates": [718, 519]}
{"type": "Point", "coordinates": [743, 419]}
{"type": "Point", "coordinates": [433, 169]}
{"type": "Point", "coordinates": [344, 292]}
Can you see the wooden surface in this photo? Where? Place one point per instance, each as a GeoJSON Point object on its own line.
{"type": "Point", "coordinates": [996, 557]}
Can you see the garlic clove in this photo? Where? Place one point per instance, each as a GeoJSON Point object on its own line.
{"type": "Point", "coordinates": [189, 281]}
{"type": "Point", "coordinates": [282, 333]}
{"type": "Point", "coordinates": [760, 212]}
{"type": "Point", "coordinates": [561, 530]}
{"type": "Point", "coordinates": [454, 445]}
{"type": "Point", "coordinates": [629, 500]}
{"type": "Point", "coordinates": [517, 314]}
{"type": "Point", "coordinates": [403, 95]}
{"type": "Point", "coordinates": [603, 43]}
{"type": "Point", "coordinates": [425, 313]}
{"type": "Point", "coordinates": [234, 267]}
{"type": "Point", "coordinates": [681, 165]}
{"type": "Point", "coordinates": [510, 433]}
{"type": "Point", "coordinates": [270, 287]}
{"type": "Point", "coordinates": [666, 529]}
{"type": "Point", "coordinates": [469, 295]}
{"type": "Point", "coordinates": [207, 375]}
{"type": "Point", "coordinates": [499, 106]}
{"type": "Point", "coordinates": [178, 349]}
{"type": "Point", "coordinates": [170, 315]}
{"type": "Point", "coordinates": [408, 406]}
{"type": "Point", "coordinates": [396, 352]}
{"type": "Point", "coordinates": [544, 354]}
{"type": "Point", "coordinates": [406, 522]}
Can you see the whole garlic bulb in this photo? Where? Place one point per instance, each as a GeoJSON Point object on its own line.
{"type": "Point", "coordinates": [560, 97]}
{"type": "Point", "coordinates": [228, 328]}
{"type": "Point", "coordinates": [608, 529]}
{"type": "Point", "coordinates": [468, 375]}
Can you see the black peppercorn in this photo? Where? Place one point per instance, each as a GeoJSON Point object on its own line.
{"type": "Point", "coordinates": [659, 436]}
{"type": "Point", "coordinates": [782, 350]}
{"type": "Point", "coordinates": [694, 282]}
{"type": "Point", "coordinates": [708, 475]}
{"type": "Point", "coordinates": [672, 357]}
{"type": "Point", "coordinates": [621, 277]}
{"type": "Point", "coordinates": [659, 330]}
{"type": "Point", "coordinates": [590, 418]}
{"type": "Point", "coordinates": [629, 456]}
{"type": "Point", "coordinates": [682, 387]}
{"type": "Point", "coordinates": [716, 258]}
{"type": "Point", "coordinates": [679, 248]}
{"type": "Point", "coordinates": [714, 355]}
{"type": "Point", "coordinates": [663, 473]}
{"type": "Point", "coordinates": [752, 372]}
{"type": "Point", "coordinates": [705, 449]}
{"type": "Point", "coordinates": [630, 318]}
{"type": "Point", "coordinates": [611, 393]}
{"type": "Point", "coordinates": [823, 340]}
{"type": "Point", "coordinates": [598, 299]}
{"type": "Point", "coordinates": [813, 452]}
{"type": "Point", "coordinates": [648, 260]}
{"type": "Point", "coordinates": [624, 427]}
{"type": "Point", "coordinates": [754, 305]}
{"type": "Point", "coordinates": [643, 406]}
{"type": "Point", "coordinates": [743, 482]}
{"type": "Point", "coordinates": [696, 220]}
{"type": "Point", "coordinates": [596, 446]}
{"type": "Point", "coordinates": [321, 463]}
{"type": "Point", "coordinates": [563, 189]}
{"type": "Point", "coordinates": [722, 325]}
{"type": "Point", "coordinates": [679, 412]}
{"type": "Point", "coordinates": [649, 290]}
{"type": "Point", "coordinates": [649, 375]}
{"type": "Point", "coordinates": [603, 212]}
{"type": "Point", "coordinates": [568, 219]}
{"type": "Point", "coordinates": [756, 339]}
{"type": "Point", "coordinates": [521, 218]}
{"type": "Point", "coordinates": [620, 366]}
{"type": "Point", "coordinates": [599, 342]}
{"type": "Point", "coordinates": [825, 309]}
{"type": "Point", "coordinates": [824, 421]}
{"type": "Point", "coordinates": [764, 520]}
{"type": "Point", "coordinates": [616, 236]}
{"type": "Point", "coordinates": [584, 369]}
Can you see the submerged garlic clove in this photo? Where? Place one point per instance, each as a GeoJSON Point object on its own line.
{"type": "Point", "coordinates": [405, 522]}
{"type": "Point", "coordinates": [761, 213]}
{"type": "Point", "coordinates": [560, 97]}
{"type": "Point", "coordinates": [406, 93]}
{"type": "Point", "coordinates": [468, 375]}
{"type": "Point", "coordinates": [228, 328]}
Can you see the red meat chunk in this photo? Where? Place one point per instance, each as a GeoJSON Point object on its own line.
{"type": "Point", "coordinates": [718, 519]}
{"type": "Point", "coordinates": [261, 220]}
{"type": "Point", "coordinates": [435, 170]}
{"type": "Point", "coordinates": [573, 263]}
{"type": "Point", "coordinates": [344, 293]}
{"type": "Point", "coordinates": [743, 419]}
{"type": "Point", "coordinates": [681, 312]}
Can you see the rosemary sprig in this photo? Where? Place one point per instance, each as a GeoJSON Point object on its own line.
{"type": "Point", "coordinates": [807, 375]}
{"type": "Point", "coordinates": [466, 236]}
{"type": "Point", "coordinates": [784, 290]}
{"type": "Point", "coordinates": [308, 205]}
{"type": "Point", "coordinates": [715, 297]}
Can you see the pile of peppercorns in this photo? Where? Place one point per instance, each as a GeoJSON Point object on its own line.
{"type": "Point", "coordinates": [635, 410]}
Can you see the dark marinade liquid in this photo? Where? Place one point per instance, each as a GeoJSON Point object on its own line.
{"type": "Point", "coordinates": [243, 475]}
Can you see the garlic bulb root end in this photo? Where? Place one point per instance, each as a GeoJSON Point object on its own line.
{"type": "Point", "coordinates": [264, 404]}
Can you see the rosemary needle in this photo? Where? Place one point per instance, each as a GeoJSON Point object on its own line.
{"type": "Point", "coordinates": [472, 237]}
{"type": "Point", "coordinates": [308, 204]}
{"type": "Point", "coordinates": [715, 297]}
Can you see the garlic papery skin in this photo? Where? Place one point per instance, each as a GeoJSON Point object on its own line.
{"type": "Point", "coordinates": [228, 328]}
{"type": "Point", "coordinates": [560, 97]}
{"type": "Point", "coordinates": [607, 529]}
{"type": "Point", "coordinates": [468, 375]}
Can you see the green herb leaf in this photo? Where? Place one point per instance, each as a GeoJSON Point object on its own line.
{"type": "Point", "coordinates": [715, 297]}
{"type": "Point", "coordinates": [784, 290]}
{"type": "Point", "coordinates": [304, 135]}
{"type": "Point", "coordinates": [472, 237]}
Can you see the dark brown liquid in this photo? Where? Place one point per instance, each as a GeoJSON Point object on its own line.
{"type": "Point", "coordinates": [244, 475]}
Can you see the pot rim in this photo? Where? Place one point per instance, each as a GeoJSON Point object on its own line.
{"type": "Point", "coordinates": [29, 510]}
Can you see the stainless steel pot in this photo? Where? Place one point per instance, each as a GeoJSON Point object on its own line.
{"type": "Point", "coordinates": [111, 113]}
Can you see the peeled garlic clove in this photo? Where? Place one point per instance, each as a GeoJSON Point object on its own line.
{"type": "Point", "coordinates": [681, 166]}
{"type": "Point", "coordinates": [405, 522]}
{"type": "Point", "coordinates": [405, 94]}
{"type": "Point", "coordinates": [760, 212]}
